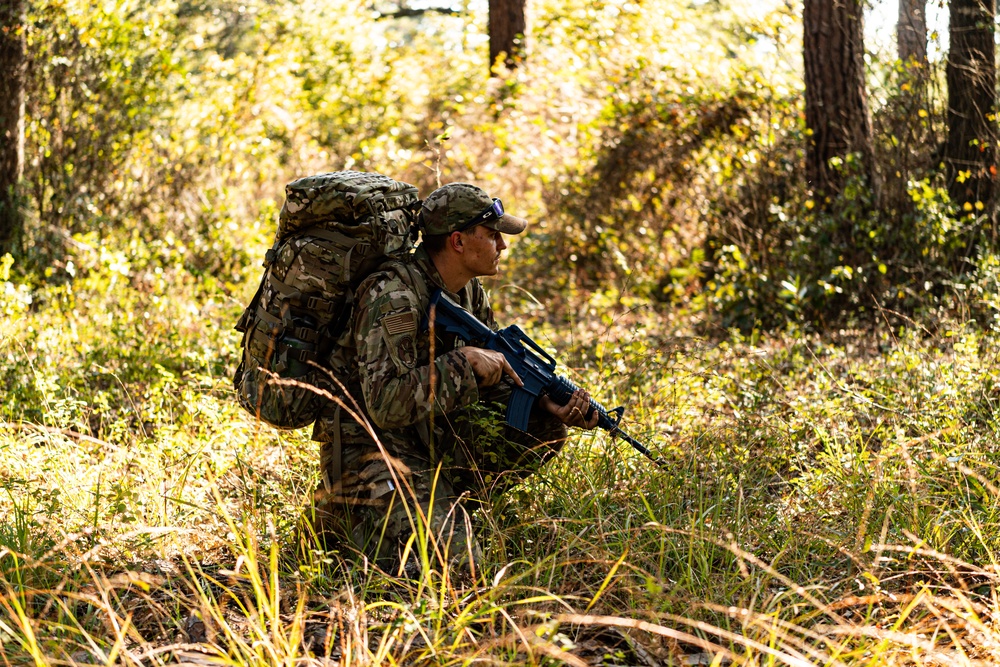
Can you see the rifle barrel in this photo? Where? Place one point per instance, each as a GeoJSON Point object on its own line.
{"type": "Point", "coordinates": [641, 448]}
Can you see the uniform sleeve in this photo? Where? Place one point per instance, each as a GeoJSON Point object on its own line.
{"type": "Point", "coordinates": [397, 391]}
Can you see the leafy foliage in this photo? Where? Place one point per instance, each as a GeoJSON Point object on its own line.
{"type": "Point", "coordinates": [826, 483]}
{"type": "Point", "coordinates": [95, 86]}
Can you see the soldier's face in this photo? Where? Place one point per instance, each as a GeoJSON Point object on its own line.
{"type": "Point", "coordinates": [483, 247]}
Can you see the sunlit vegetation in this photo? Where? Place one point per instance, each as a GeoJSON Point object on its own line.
{"type": "Point", "coordinates": [829, 418]}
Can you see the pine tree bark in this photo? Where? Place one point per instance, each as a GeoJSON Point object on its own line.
{"type": "Point", "coordinates": [911, 31]}
{"type": "Point", "coordinates": [507, 26]}
{"type": "Point", "coordinates": [836, 101]}
{"type": "Point", "coordinates": [970, 152]}
{"type": "Point", "coordinates": [13, 61]}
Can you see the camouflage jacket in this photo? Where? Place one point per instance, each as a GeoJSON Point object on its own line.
{"type": "Point", "coordinates": [404, 381]}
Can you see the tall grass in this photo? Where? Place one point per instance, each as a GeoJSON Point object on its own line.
{"type": "Point", "coordinates": [828, 500]}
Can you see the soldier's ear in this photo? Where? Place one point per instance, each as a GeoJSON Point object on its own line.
{"type": "Point", "coordinates": [456, 242]}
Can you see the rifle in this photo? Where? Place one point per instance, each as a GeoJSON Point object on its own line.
{"type": "Point", "coordinates": [533, 365]}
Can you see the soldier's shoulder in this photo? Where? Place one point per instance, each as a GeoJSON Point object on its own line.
{"type": "Point", "coordinates": [389, 291]}
{"type": "Point", "coordinates": [402, 271]}
{"type": "Point", "coordinates": [383, 278]}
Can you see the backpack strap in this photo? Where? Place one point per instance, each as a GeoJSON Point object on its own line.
{"type": "Point", "coordinates": [279, 327]}
{"type": "Point", "coordinates": [244, 322]}
{"type": "Point", "coordinates": [243, 326]}
{"type": "Point", "coordinates": [332, 460]}
{"type": "Point", "coordinates": [342, 240]}
{"type": "Point", "coordinates": [331, 235]}
{"type": "Point", "coordinates": [310, 301]}
{"type": "Point", "coordinates": [338, 451]}
{"type": "Point", "coordinates": [270, 337]}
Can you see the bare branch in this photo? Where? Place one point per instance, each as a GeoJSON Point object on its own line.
{"type": "Point", "coordinates": [407, 12]}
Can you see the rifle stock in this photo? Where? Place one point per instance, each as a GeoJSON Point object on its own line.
{"type": "Point", "coordinates": [533, 365]}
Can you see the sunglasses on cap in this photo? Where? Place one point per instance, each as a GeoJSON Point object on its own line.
{"type": "Point", "coordinates": [492, 212]}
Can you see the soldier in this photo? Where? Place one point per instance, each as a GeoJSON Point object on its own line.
{"type": "Point", "coordinates": [419, 428]}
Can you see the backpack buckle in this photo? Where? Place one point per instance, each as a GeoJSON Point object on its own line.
{"type": "Point", "coordinates": [319, 304]}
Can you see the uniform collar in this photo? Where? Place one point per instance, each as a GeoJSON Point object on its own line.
{"type": "Point", "coordinates": [423, 260]}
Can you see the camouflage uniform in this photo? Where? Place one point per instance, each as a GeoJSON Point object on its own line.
{"type": "Point", "coordinates": [421, 400]}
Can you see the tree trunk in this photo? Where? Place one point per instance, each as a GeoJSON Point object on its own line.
{"type": "Point", "coordinates": [836, 101]}
{"type": "Point", "coordinates": [970, 152]}
{"type": "Point", "coordinates": [911, 31]}
{"type": "Point", "coordinates": [12, 80]}
{"type": "Point", "coordinates": [507, 25]}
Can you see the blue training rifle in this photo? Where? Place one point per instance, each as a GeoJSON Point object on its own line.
{"type": "Point", "coordinates": [533, 365]}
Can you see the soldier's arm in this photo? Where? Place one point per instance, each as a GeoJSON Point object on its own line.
{"type": "Point", "coordinates": [397, 387]}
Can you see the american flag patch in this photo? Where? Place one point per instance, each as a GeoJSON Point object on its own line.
{"type": "Point", "coordinates": [400, 323]}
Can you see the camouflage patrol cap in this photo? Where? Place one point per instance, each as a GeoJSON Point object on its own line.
{"type": "Point", "coordinates": [452, 207]}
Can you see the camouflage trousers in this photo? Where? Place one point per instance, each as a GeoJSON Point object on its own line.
{"type": "Point", "coordinates": [416, 494]}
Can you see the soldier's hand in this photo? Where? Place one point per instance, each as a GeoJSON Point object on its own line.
{"type": "Point", "coordinates": [574, 413]}
{"type": "Point", "coordinates": [489, 366]}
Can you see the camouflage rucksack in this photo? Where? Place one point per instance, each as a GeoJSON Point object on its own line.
{"type": "Point", "coordinates": [333, 230]}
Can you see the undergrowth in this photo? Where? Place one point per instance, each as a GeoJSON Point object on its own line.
{"type": "Point", "coordinates": [826, 500]}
